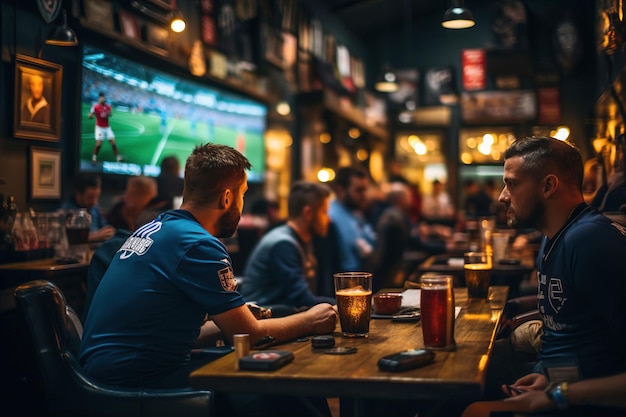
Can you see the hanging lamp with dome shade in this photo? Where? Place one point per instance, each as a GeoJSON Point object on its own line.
{"type": "Point", "coordinates": [62, 35]}
{"type": "Point", "coordinates": [457, 16]}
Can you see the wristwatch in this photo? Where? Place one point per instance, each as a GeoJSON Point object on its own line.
{"type": "Point", "coordinates": [557, 391]}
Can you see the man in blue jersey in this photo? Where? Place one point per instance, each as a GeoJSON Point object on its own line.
{"type": "Point", "coordinates": [356, 237]}
{"type": "Point", "coordinates": [282, 267]}
{"type": "Point", "coordinates": [581, 270]}
{"type": "Point", "coordinates": [151, 305]}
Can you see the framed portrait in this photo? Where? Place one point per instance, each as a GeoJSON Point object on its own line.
{"type": "Point", "coordinates": [129, 24]}
{"type": "Point", "coordinates": [37, 99]}
{"type": "Point", "coordinates": [45, 173]}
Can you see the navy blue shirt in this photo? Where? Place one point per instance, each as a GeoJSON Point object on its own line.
{"type": "Point", "coordinates": [282, 270]}
{"type": "Point", "coordinates": [582, 295]}
{"type": "Point", "coordinates": [147, 312]}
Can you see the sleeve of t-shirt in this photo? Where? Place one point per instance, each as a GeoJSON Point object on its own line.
{"type": "Point", "coordinates": [288, 268]}
{"type": "Point", "coordinates": [599, 262]}
{"type": "Point", "coordinates": [205, 275]}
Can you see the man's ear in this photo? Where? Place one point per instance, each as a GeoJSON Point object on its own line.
{"type": "Point", "coordinates": [226, 199]}
{"type": "Point", "coordinates": [550, 185]}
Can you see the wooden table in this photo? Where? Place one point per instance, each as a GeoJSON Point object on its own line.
{"type": "Point", "coordinates": [458, 375]}
{"type": "Point", "coordinates": [501, 274]}
{"type": "Point", "coordinates": [70, 277]}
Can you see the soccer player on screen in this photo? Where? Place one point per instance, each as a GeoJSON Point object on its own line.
{"type": "Point", "coordinates": [102, 111]}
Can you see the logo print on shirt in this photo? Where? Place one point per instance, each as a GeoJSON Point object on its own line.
{"type": "Point", "coordinates": [227, 279]}
{"type": "Point", "coordinates": [140, 241]}
{"type": "Point", "coordinates": [555, 294]}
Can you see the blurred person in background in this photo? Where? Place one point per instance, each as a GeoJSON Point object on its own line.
{"type": "Point", "coordinates": [356, 237]}
{"type": "Point", "coordinates": [282, 268]}
{"type": "Point", "coordinates": [140, 191]}
{"type": "Point", "coordinates": [87, 190]}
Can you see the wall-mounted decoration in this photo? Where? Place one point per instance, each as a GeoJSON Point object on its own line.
{"type": "Point", "coordinates": [474, 69]}
{"type": "Point", "coordinates": [158, 38]}
{"type": "Point", "coordinates": [164, 4]}
{"type": "Point", "coordinates": [99, 12]}
{"type": "Point", "coordinates": [49, 9]}
{"type": "Point", "coordinates": [498, 106]}
{"type": "Point", "coordinates": [406, 97]}
{"type": "Point", "coordinates": [45, 173]}
{"type": "Point", "coordinates": [549, 105]}
{"type": "Point", "coordinates": [37, 99]}
{"type": "Point", "coordinates": [439, 86]}
{"type": "Point", "coordinates": [129, 24]}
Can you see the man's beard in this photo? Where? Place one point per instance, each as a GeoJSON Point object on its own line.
{"type": "Point", "coordinates": [534, 218]}
{"type": "Point", "coordinates": [228, 222]}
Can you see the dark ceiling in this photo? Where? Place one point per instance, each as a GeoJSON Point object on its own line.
{"type": "Point", "coordinates": [366, 17]}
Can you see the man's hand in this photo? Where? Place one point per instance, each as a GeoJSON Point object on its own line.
{"type": "Point", "coordinates": [102, 234]}
{"type": "Point", "coordinates": [530, 382]}
{"type": "Point", "coordinates": [323, 318]}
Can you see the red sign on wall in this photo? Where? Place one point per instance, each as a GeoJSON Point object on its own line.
{"type": "Point", "coordinates": [549, 105]}
{"type": "Point", "coordinates": [474, 69]}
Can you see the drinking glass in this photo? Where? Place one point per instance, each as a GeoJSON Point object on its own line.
{"type": "Point", "coordinates": [437, 308]}
{"type": "Point", "coordinates": [354, 302]}
{"type": "Point", "coordinates": [500, 243]}
{"type": "Point", "coordinates": [477, 267]}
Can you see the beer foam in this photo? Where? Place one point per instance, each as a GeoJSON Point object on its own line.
{"type": "Point", "coordinates": [478, 267]}
{"type": "Point", "coordinates": [358, 290]}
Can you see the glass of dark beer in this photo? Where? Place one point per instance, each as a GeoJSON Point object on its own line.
{"type": "Point", "coordinates": [354, 302]}
{"type": "Point", "coordinates": [437, 308]}
{"type": "Point", "coordinates": [477, 267]}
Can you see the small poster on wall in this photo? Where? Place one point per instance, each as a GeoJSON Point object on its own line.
{"type": "Point", "coordinates": [474, 71]}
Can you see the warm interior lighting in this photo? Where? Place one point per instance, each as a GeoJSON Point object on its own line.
{"type": "Point", "coordinates": [457, 16]}
{"type": "Point", "coordinates": [325, 175]}
{"type": "Point", "coordinates": [362, 154]}
{"type": "Point", "coordinates": [62, 35]}
{"type": "Point", "coordinates": [283, 108]}
{"type": "Point", "coordinates": [173, 19]}
{"type": "Point", "coordinates": [561, 133]}
{"type": "Point", "coordinates": [177, 23]}
{"type": "Point", "coordinates": [325, 137]}
{"type": "Point", "coordinates": [387, 82]}
{"type": "Point", "coordinates": [354, 133]}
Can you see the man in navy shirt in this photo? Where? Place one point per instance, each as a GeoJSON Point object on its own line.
{"type": "Point", "coordinates": [151, 305]}
{"type": "Point", "coordinates": [581, 269]}
{"type": "Point", "coordinates": [282, 267]}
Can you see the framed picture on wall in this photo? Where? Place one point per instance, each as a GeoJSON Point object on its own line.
{"type": "Point", "coordinates": [45, 173]}
{"type": "Point", "coordinates": [129, 25]}
{"type": "Point", "coordinates": [158, 38]}
{"type": "Point", "coordinates": [37, 105]}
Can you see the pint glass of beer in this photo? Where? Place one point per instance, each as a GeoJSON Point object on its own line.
{"type": "Point", "coordinates": [477, 267]}
{"type": "Point", "coordinates": [354, 302]}
{"type": "Point", "coordinates": [437, 308]}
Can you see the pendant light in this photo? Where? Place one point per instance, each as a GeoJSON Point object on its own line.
{"type": "Point", "coordinates": [62, 35]}
{"type": "Point", "coordinates": [457, 16]}
{"type": "Point", "coordinates": [387, 81]}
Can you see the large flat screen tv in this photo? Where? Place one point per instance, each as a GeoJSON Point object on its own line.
{"type": "Point", "coordinates": [156, 114]}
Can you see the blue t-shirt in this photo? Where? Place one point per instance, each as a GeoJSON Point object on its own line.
{"type": "Point", "coordinates": [350, 228]}
{"type": "Point", "coordinates": [582, 296]}
{"type": "Point", "coordinates": [279, 271]}
{"type": "Point", "coordinates": [147, 312]}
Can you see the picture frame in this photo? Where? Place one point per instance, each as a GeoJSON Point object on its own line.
{"type": "Point", "coordinates": [100, 13]}
{"type": "Point", "coordinates": [164, 4]}
{"type": "Point", "coordinates": [37, 107]}
{"type": "Point", "coordinates": [158, 38]}
{"type": "Point", "coordinates": [129, 25]}
{"type": "Point", "coordinates": [45, 173]}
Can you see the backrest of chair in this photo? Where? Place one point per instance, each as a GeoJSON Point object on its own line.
{"type": "Point", "coordinates": [55, 331]}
